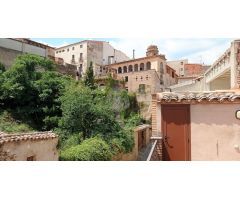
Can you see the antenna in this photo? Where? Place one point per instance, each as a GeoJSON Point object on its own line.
{"type": "Point", "coordinates": [133, 53]}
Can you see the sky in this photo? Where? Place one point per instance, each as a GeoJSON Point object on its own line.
{"type": "Point", "coordinates": [196, 50]}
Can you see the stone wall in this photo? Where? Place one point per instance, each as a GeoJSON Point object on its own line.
{"type": "Point", "coordinates": [32, 146]}
{"type": "Point", "coordinates": [7, 56]}
{"type": "Point", "coordinates": [133, 155]}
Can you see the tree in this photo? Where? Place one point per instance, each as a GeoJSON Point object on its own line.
{"type": "Point", "coordinates": [30, 89]}
{"type": "Point", "coordinates": [89, 77]}
{"type": "Point", "coordinates": [84, 110]}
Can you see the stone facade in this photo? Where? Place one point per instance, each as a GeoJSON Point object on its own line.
{"type": "Point", "coordinates": [90, 53]}
{"type": "Point", "coordinates": [149, 74]}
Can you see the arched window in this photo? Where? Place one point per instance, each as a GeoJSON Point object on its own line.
{"type": "Point", "coordinates": [148, 65]}
{"type": "Point", "coordinates": [119, 70]}
{"type": "Point", "coordinates": [136, 67]}
{"type": "Point", "coordinates": [130, 68]}
{"type": "Point", "coordinates": [141, 66]}
{"type": "Point", "coordinates": [125, 69]}
{"type": "Point", "coordinates": [161, 68]}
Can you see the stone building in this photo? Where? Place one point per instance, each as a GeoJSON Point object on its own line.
{"type": "Point", "coordinates": [89, 53]}
{"type": "Point", "coordinates": [10, 48]}
{"type": "Point", "coordinates": [39, 146]}
{"type": "Point", "coordinates": [149, 74]}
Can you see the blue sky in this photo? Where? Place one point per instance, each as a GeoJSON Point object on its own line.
{"type": "Point", "coordinates": [196, 50]}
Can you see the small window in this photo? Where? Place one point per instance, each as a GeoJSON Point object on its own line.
{"type": "Point", "coordinates": [56, 51]}
{"type": "Point", "coordinates": [141, 88]}
{"type": "Point", "coordinates": [63, 50]}
{"type": "Point", "coordinates": [126, 78]}
{"type": "Point", "coordinates": [181, 63]}
{"type": "Point", "coordinates": [181, 69]}
{"type": "Point", "coordinates": [30, 158]}
{"type": "Point", "coordinates": [81, 46]}
{"type": "Point", "coordinates": [67, 50]}
{"type": "Point", "coordinates": [147, 77]}
{"type": "Point", "coordinates": [72, 48]}
{"type": "Point", "coordinates": [172, 74]}
{"type": "Point", "coordinates": [136, 78]}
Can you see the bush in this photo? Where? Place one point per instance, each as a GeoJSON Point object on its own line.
{"type": "Point", "coordinates": [2, 68]}
{"type": "Point", "coordinates": [93, 149]}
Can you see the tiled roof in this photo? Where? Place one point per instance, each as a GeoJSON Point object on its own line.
{"type": "Point", "coordinates": [26, 136]}
{"type": "Point", "coordinates": [210, 96]}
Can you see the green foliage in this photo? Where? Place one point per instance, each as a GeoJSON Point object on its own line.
{"type": "Point", "coordinates": [89, 78]}
{"type": "Point", "coordinates": [93, 149]}
{"type": "Point", "coordinates": [2, 68]}
{"type": "Point", "coordinates": [31, 92]}
{"type": "Point", "coordinates": [83, 111]}
{"type": "Point", "coordinates": [8, 124]}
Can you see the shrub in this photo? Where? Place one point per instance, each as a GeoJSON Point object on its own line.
{"type": "Point", "coordinates": [93, 149]}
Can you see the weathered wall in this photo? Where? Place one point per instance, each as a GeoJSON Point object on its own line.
{"type": "Point", "coordinates": [132, 156]}
{"type": "Point", "coordinates": [7, 56]}
{"type": "Point", "coordinates": [42, 150]}
{"type": "Point", "coordinates": [215, 132]}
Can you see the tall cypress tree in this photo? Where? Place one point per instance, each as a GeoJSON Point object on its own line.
{"type": "Point", "coordinates": [89, 77]}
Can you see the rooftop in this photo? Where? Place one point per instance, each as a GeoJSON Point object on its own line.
{"type": "Point", "coordinates": [199, 97]}
{"type": "Point", "coordinates": [4, 137]}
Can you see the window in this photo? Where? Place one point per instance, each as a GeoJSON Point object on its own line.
{"type": "Point", "coordinates": [73, 57]}
{"type": "Point", "coordinates": [181, 69]}
{"type": "Point", "coordinates": [148, 65]}
{"type": "Point", "coordinates": [136, 78]}
{"type": "Point", "coordinates": [172, 74]}
{"type": "Point", "coordinates": [141, 88]}
{"type": "Point", "coordinates": [147, 77]}
{"type": "Point", "coordinates": [119, 70]}
{"type": "Point", "coordinates": [63, 50]}
{"type": "Point", "coordinates": [141, 66]}
{"type": "Point", "coordinates": [81, 56]}
{"type": "Point", "coordinates": [126, 78]}
{"type": "Point", "coordinates": [161, 68]}
{"type": "Point", "coordinates": [56, 51]}
{"type": "Point", "coordinates": [30, 158]}
{"type": "Point", "coordinates": [68, 50]}
{"type": "Point", "coordinates": [136, 67]}
{"type": "Point", "coordinates": [130, 68]}
{"type": "Point", "coordinates": [181, 63]}
{"type": "Point", "coordinates": [125, 69]}
{"type": "Point", "coordinates": [80, 45]}
{"type": "Point", "coordinates": [141, 78]}
{"type": "Point", "coordinates": [72, 48]}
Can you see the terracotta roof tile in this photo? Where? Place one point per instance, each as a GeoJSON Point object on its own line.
{"type": "Point", "coordinates": [210, 96]}
{"type": "Point", "coordinates": [26, 136]}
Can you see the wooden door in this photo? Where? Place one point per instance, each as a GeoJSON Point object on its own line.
{"type": "Point", "coordinates": [176, 132]}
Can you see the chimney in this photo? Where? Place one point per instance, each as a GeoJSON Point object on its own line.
{"type": "Point", "coordinates": [133, 53]}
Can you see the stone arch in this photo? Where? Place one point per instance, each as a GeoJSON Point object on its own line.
{"type": "Point", "coordinates": [148, 65]}
{"type": "Point", "coordinates": [125, 69]}
{"type": "Point", "coordinates": [142, 67]}
{"type": "Point", "coordinates": [119, 70]}
{"type": "Point", "coordinates": [130, 68]}
{"type": "Point", "coordinates": [136, 67]}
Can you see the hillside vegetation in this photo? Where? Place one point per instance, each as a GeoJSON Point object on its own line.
{"type": "Point", "coordinates": [92, 123]}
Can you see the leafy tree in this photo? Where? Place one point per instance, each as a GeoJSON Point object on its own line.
{"type": "Point", "coordinates": [89, 77]}
{"type": "Point", "coordinates": [30, 89]}
{"type": "Point", "coordinates": [84, 112]}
